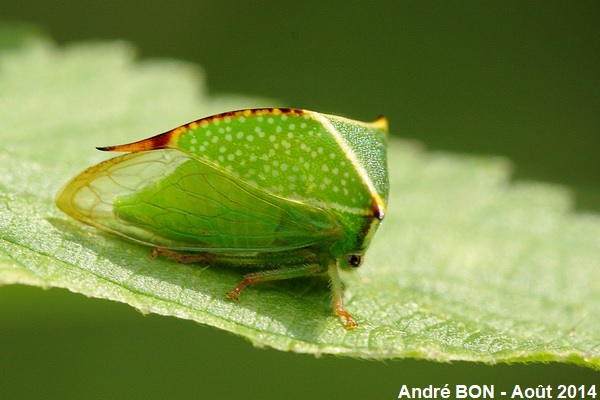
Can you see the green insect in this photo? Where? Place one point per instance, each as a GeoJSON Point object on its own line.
{"type": "Point", "coordinates": [287, 192]}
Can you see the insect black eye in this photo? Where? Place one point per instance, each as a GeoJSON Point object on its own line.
{"type": "Point", "coordinates": [354, 260]}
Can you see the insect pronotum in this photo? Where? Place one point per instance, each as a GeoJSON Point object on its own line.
{"type": "Point", "coordinates": [287, 192]}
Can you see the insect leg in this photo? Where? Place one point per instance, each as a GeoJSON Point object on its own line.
{"type": "Point", "coordinates": [182, 258]}
{"type": "Point", "coordinates": [338, 296]}
{"type": "Point", "coordinates": [273, 275]}
{"type": "Point", "coordinates": [289, 258]}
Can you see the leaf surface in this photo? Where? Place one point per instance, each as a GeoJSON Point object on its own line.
{"type": "Point", "coordinates": [467, 265]}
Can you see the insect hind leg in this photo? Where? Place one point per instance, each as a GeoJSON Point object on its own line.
{"type": "Point", "coordinates": [184, 258]}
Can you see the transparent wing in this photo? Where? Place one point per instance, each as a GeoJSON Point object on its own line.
{"type": "Point", "coordinates": [167, 199]}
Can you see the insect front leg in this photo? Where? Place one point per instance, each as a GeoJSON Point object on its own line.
{"type": "Point", "coordinates": [338, 296]}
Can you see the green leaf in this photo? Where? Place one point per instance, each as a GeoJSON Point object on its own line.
{"type": "Point", "coordinates": [467, 266]}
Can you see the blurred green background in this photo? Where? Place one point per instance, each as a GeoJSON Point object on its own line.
{"type": "Point", "coordinates": [518, 79]}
